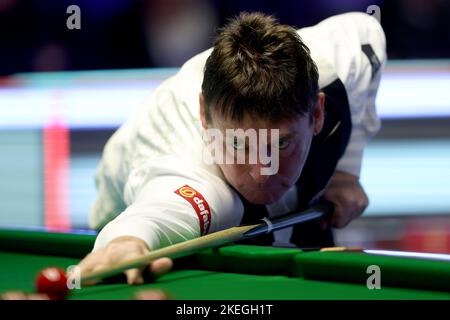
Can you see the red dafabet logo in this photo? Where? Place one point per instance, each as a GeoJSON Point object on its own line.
{"type": "Point", "coordinates": [199, 204]}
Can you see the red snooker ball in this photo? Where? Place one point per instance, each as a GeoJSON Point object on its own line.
{"type": "Point", "coordinates": [52, 282]}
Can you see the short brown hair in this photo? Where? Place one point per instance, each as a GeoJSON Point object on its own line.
{"type": "Point", "coordinates": [261, 68]}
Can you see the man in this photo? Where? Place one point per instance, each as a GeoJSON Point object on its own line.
{"type": "Point", "coordinates": [313, 91]}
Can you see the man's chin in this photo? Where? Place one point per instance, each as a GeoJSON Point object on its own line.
{"type": "Point", "coordinates": [262, 199]}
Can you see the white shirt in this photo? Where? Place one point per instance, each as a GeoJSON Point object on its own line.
{"type": "Point", "coordinates": [159, 149]}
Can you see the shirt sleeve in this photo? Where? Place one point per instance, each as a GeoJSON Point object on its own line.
{"type": "Point", "coordinates": [362, 79]}
{"type": "Point", "coordinates": [165, 208]}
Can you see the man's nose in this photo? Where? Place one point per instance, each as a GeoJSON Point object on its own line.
{"type": "Point", "coordinates": [256, 173]}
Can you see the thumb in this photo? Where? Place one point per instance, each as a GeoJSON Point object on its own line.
{"type": "Point", "coordinates": [134, 276]}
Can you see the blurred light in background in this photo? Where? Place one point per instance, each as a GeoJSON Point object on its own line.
{"type": "Point", "coordinates": [93, 99]}
{"type": "Point", "coordinates": [407, 177]}
{"type": "Point", "coordinates": [98, 99]}
{"type": "Point", "coordinates": [421, 92]}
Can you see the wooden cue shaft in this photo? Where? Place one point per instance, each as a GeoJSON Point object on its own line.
{"type": "Point", "coordinates": [175, 251]}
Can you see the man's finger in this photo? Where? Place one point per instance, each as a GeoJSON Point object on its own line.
{"type": "Point", "coordinates": [161, 266]}
{"type": "Point", "coordinates": [152, 294]}
{"type": "Point", "coordinates": [134, 276]}
{"type": "Point", "coordinates": [88, 263]}
{"type": "Point", "coordinates": [18, 295]}
{"type": "Point", "coordinates": [336, 218]}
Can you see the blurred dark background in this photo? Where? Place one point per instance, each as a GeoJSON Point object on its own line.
{"type": "Point", "coordinates": [119, 34]}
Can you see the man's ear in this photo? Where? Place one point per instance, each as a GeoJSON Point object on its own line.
{"type": "Point", "coordinates": [319, 113]}
{"type": "Point", "coordinates": [202, 111]}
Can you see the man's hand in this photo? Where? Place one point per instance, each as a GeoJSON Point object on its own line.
{"type": "Point", "coordinates": [348, 197]}
{"type": "Point", "coordinates": [120, 249]}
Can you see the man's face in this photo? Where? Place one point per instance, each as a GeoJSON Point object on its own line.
{"type": "Point", "coordinates": [293, 144]}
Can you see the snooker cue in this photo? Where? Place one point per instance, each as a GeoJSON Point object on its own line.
{"type": "Point", "coordinates": [212, 240]}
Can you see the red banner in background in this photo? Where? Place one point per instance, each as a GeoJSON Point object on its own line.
{"type": "Point", "coordinates": [56, 146]}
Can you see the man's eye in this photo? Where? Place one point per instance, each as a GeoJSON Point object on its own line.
{"type": "Point", "coordinates": [238, 145]}
{"type": "Point", "coordinates": [283, 144]}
